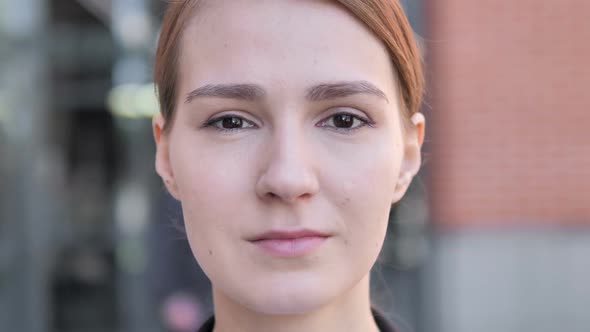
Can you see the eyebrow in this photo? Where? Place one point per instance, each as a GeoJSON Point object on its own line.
{"type": "Point", "coordinates": [343, 89]}
{"type": "Point", "coordinates": [249, 92]}
{"type": "Point", "coordinates": [319, 92]}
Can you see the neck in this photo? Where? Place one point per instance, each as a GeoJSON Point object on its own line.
{"type": "Point", "coordinates": [349, 312]}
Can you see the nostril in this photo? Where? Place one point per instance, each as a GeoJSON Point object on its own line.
{"type": "Point", "coordinates": [274, 196]}
{"type": "Point", "coordinates": [306, 196]}
{"type": "Point", "coordinates": [286, 185]}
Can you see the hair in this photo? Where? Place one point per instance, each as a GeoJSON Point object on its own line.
{"type": "Point", "coordinates": [386, 18]}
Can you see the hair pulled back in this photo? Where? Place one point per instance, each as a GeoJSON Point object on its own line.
{"type": "Point", "coordinates": [386, 18]}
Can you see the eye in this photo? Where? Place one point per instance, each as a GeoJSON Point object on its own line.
{"type": "Point", "coordinates": [344, 122]}
{"type": "Point", "coordinates": [229, 123]}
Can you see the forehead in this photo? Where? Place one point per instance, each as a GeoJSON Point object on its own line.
{"type": "Point", "coordinates": [290, 43]}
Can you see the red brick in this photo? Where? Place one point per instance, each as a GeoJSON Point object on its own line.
{"type": "Point", "coordinates": [510, 118]}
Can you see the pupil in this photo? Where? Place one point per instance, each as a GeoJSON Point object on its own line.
{"type": "Point", "coordinates": [343, 121]}
{"type": "Point", "coordinates": [231, 123]}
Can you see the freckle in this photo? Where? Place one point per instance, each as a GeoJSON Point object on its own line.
{"type": "Point", "coordinates": [210, 252]}
{"type": "Point", "coordinates": [346, 201]}
{"type": "Point", "coordinates": [345, 242]}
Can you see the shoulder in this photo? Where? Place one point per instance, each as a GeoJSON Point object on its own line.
{"type": "Point", "coordinates": [208, 325]}
{"type": "Point", "coordinates": [382, 322]}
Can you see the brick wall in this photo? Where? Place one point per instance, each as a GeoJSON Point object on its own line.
{"type": "Point", "coordinates": [510, 119]}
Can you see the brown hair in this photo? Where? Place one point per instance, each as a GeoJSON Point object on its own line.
{"type": "Point", "coordinates": [386, 18]}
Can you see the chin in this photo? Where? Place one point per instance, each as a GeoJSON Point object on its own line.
{"type": "Point", "coordinates": [290, 297]}
{"type": "Point", "coordinates": [287, 305]}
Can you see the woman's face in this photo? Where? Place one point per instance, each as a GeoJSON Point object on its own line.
{"type": "Point", "coordinates": [287, 120]}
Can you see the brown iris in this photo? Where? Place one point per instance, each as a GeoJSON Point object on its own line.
{"type": "Point", "coordinates": [231, 123]}
{"type": "Point", "coordinates": [343, 120]}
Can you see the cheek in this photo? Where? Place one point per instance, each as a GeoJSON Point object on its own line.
{"type": "Point", "coordinates": [213, 188]}
{"type": "Point", "coordinates": [366, 198]}
{"type": "Point", "coordinates": [216, 198]}
{"type": "Point", "coordinates": [208, 173]}
{"type": "Point", "coordinates": [369, 177]}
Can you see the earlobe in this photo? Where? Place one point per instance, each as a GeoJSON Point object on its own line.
{"type": "Point", "coordinates": [162, 162]}
{"type": "Point", "coordinates": [401, 186]}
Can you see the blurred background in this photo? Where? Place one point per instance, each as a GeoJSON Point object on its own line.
{"type": "Point", "coordinates": [493, 236]}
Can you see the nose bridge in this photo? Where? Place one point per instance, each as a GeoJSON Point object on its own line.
{"type": "Point", "coordinates": [287, 146]}
{"type": "Point", "coordinates": [288, 173]}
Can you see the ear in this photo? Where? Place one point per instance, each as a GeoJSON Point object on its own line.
{"type": "Point", "coordinates": [412, 159]}
{"type": "Point", "coordinates": [163, 167]}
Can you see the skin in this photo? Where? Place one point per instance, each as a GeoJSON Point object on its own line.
{"type": "Point", "coordinates": [290, 164]}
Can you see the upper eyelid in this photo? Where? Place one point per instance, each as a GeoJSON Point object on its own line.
{"type": "Point", "coordinates": [364, 122]}
{"type": "Point", "coordinates": [360, 117]}
{"type": "Point", "coordinates": [223, 115]}
{"type": "Point", "coordinates": [347, 110]}
{"type": "Point", "coordinates": [363, 116]}
{"type": "Point", "coordinates": [231, 115]}
{"type": "Point", "coordinates": [352, 110]}
{"type": "Point", "coordinates": [212, 122]}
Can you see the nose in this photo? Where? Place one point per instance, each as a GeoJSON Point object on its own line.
{"type": "Point", "coordinates": [287, 173]}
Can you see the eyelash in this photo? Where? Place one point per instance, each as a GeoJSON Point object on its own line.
{"type": "Point", "coordinates": [364, 122]}
{"type": "Point", "coordinates": [212, 122]}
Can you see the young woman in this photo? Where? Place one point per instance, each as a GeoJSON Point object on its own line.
{"type": "Point", "coordinates": [287, 130]}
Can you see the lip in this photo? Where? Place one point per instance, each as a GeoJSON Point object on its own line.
{"type": "Point", "coordinates": [288, 234]}
{"type": "Point", "coordinates": [289, 243]}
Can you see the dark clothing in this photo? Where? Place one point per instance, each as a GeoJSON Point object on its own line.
{"type": "Point", "coordinates": [382, 323]}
